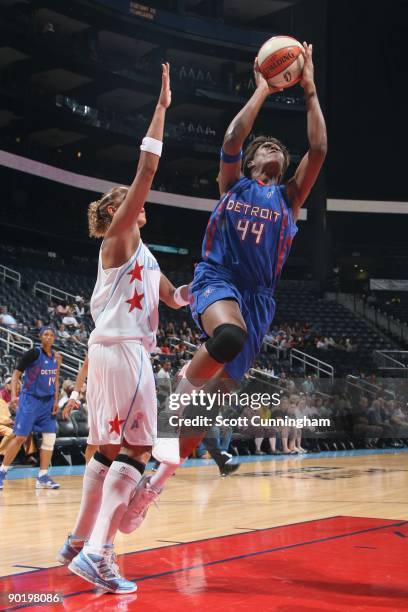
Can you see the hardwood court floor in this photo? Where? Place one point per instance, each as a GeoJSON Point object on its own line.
{"type": "Point", "coordinates": [199, 505]}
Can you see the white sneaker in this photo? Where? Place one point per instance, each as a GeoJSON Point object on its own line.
{"type": "Point", "coordinates": [143, 497]}
{"type": "Point", "coordinates": [167, 450]}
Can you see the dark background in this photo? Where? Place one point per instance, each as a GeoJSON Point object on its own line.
{"type": "Point", "coordinates": [360, 70]}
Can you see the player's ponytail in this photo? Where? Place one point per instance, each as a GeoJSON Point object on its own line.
{"type": "Point", "coordinates": [99, 218]}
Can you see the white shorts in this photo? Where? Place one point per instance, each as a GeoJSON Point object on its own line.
{"type": "Point", "coordinates": [121, 395]}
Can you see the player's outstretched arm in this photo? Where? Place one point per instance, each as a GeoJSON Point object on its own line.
{"type": "Point", "coordinates": [238, 130]}
{"type": "Point", "coordinates": [73, 403]}
{"type": "Point", "coordinates": [299, 187]}
{"type": "Point", "coordinates": [127, 214]}
{"type": "Point", "coordinates": [172, 297]}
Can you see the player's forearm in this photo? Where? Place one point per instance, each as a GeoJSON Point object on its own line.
{"type": "Point", "coordinates": [57, 388]}
{"type": "Point", "coordinates": [149, 161]}
{"type": "Point", "coordinates": [316, 125]}
{"type": "Point", "coordinates": [174, 297]}
{"type": "Point", "coordinates": [180, 297]}
{"type": "Point", "coordinates": [241, 126]}
{"type": "Point", "coordinates": [82, 374]}
{"type": "Point", "coordinates": [14, 384]}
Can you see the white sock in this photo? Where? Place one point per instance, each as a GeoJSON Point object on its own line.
{"type": "Point", "coordinates": [94, 476]}
{"type": "Point", "coordinates": [258, 443]}
{"type": "Point", "coordinates": [42, 473]}
{"type": "Point", "coordinates": [4, 468]}
{"type": "Point", "coordinates": [118, 489]}
{"type": "Point", "coordinates": [162, 474]}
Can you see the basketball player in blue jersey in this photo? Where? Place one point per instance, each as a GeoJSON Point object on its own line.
{"type": "Point", "coordinates": [37, 405]}
{"type": "Point", "coordinates": [246, 243]}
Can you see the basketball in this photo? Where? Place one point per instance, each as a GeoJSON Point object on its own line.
{"type": "Point", "coordinates": [280, 61]}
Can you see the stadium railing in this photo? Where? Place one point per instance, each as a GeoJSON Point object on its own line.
{"type": "Point", "coordinates": [368, 387]}
{"type": "Point", "coordinates": [319, 366]}
{"type": "Point", "coordinates": [11, 274]}
{"type": "Point", "coordinates": [380, 319]}
{"type": "Point", "coordinates": [52, 292]}
{"type": "Point", "coordinates": [14, 340]}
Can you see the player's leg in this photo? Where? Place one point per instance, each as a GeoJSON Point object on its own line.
{"type": "Point", "coordinates": [223, 323]}
{"type": "Point", "coordinates": [23, 426]}
{"type": "Point", "coordinates": [222, 458]}
{"type": "Point", "coordinates": [123, 476]}
{"type": "Point", "coordinates": [225, 327]}
{"type": "Point", "coordinates": [131, 416]}
{"type": "Point", "coordinates": [153, 486]}
{"type": "Point", "coordinates": [96, 562]}
{"type": "Point", "coordinates": [90, 451]}
{"type": "Point", "coordinates": [92, 487]}
{"type": "Point", "coordinates": [46, 423]}
{"type": "Point", "coordinates": [10, 454]}
{"type": "Point", "coordinates": [6, 435]}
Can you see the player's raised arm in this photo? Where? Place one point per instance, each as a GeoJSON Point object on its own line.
{"type": "Point", "coordinates": [125, 218]}
{"type": "Point", "coordinates": [299, 187]}
{"type": "Point", "coordinates": [238, 130]}
{"type": "Point", "coordinates": [172, 296]}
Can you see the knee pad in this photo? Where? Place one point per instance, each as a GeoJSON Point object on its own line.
{"type": "Point", "coordinates": [48, 441]}
{"type": "Point", "coordinates": [227, 342]}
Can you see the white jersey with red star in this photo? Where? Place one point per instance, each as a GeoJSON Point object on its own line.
{"type": "Point", "coordinates": [125, 300]}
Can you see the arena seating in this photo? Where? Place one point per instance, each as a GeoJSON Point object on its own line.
{"type": "Point", "coordinates": [296, 303]}
{"type": "Point", "coordinates": [394, 304]}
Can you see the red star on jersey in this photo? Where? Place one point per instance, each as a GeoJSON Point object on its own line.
{"type": "Point", "coordinates": [136, 273]}
{"type": "Point", "coordinates": [135, 301]}
{"type": "Point", "coordinates": [115, 424]}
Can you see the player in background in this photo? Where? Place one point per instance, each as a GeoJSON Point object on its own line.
{"type": "Point", "coordinates": [74, 403]}
{"type": "Point", "coordinates": [121, 392]}
{"type": "Point", "coordinates": [247, 241]}
{"type": "Point", "coordinates": [37, 405]}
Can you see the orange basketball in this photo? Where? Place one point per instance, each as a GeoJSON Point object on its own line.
{"type": "Point", "coordinates": [280, 61]}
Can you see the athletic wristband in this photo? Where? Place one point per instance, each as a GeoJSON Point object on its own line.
{"type": "Point", "coordinates": [74, 396]}
{"type": "Point", "coordinates": [151, 145]}
{"type": "Point", "coordinates": [178, 298]}
{"type": "Point", "coordinates": [230, 159]}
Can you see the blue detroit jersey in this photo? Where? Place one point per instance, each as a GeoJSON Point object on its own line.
{"type": "Point", "coordinates": [40, 377]}
{"type": "Point", "coordinates": [250, 232]}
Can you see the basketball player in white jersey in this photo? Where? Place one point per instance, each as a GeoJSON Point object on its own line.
{"type": "Point", "coordinates": [121, 393]}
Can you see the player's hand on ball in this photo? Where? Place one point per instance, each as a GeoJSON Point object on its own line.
{"type": "Point", "coordinates": [261, 83]}
{"type": "Point", "coordinates": [165, 93]}
{"type": "Point", "coordinates": [307, 80]}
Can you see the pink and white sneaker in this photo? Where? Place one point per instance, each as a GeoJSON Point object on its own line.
{"type": "Point", "coordinates": [143, 497]}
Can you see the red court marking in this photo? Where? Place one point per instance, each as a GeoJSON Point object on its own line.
{"type": "Point", "coordinates": [337, 564]}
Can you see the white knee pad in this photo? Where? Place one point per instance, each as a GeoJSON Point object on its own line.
{"type": "Point", "coordinates": [48, 441]}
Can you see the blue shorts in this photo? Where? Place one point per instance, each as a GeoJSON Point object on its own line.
{"type": "Point", "coordinates": [34, 414]}
{"type": "Point", "coordinates": [213, 283]}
